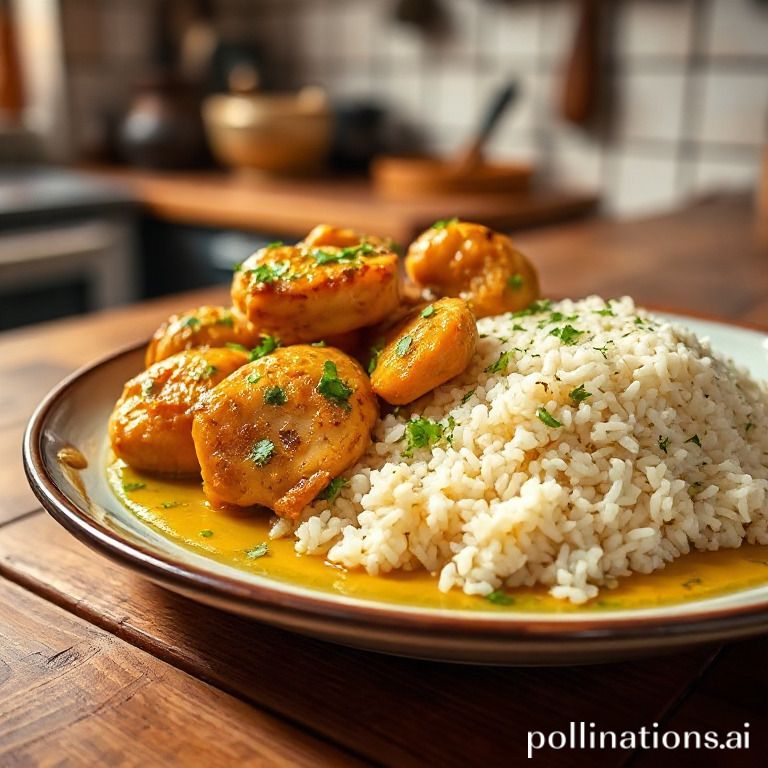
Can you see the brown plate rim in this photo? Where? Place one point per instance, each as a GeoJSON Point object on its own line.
{"type": "Point", "coordinates": [234, 592]}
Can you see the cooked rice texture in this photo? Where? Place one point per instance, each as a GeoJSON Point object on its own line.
{"type": "Point", "coordinates": [622, 487]}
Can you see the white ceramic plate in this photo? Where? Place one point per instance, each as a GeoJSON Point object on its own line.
{"type": "Point", "coordinates": [76, 413]}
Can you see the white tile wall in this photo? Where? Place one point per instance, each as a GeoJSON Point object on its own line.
{"type": "Point", "coordinates": [734, 107]}
{"type": "Point", "coordinates": [654, 28]}
{"type": "Point", "coordinates": [686, 104]}
{"type": "Point", "coordinates": [650, 104]}
{"type": "Point", "coordinates": [739, 28]}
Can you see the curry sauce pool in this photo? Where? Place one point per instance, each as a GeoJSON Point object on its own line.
{"type": "Point", "coordinates": [179, 511]}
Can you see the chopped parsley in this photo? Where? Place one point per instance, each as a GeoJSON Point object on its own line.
{"type": "Point", "coordinates": [205, 373]}
{"type": "Point", "coordinates": [332, 490]}
{"type": "Point", "coordinates": [500, 364]}
{"type": "Point", "coordinates": [606, 312]}
{"type": "Point", "coordinates": [274, 244]}
{"type": "Point", "coordinates": [258, 551]}
{"type": "Point", "coordinates": [320, 343]}
{"type": "Point", "coordinates": [748, 426]}
{"type": "Point", "coordinates": [428, 311]}
{"type": "Point", "coordinates": [227, 320]}
{"type": "Point", "coordinates": [517, 327]}
{"type": "Point", "coordinates": [253, 378]}
{"type": "Point", "coordinates": [515, 282]}
{"type": "Point", "coordinates": [443, 223]}
{"type": "Point", "coordinates": [374, 361]}
{"type": "Point", "coordinates": [347, 254]}
{"type": "Point", "coordinates": [402, 346]}
{"type": "Point", "coordinates": [422, 433]}
{"type": "Point", "coordinates": [238, 347]}
{"type": "Point", "coordinates": [467, 396]}
{"type": "Point", "coordinates": [170, 504]}
{"type": "Point", "coordinates": [694, 489]}
{"type": "Point", "coordinates": [133, 486]}
{"type": "Point", "coordinates": [695, 440]}
{"type": "Point", "coordinates": [262, 452]}
{"type": "Point", "coordinates": [547, 418]}
{"type": "Point", "coordinates": [275, 396]}
{"type": "Point", "coordinates": [191, 322]}
{"type": "Point", "coordinates": [147, 388]}
{"type": "Point", "coordinates": [332, 388]}
{"type": "Point", "coordinates": [500, 597]}
{"type": "Point", "coordinates": [268, 273]}
{"type": "Point", "coordinates": [536, 308]}
{"type": "Point", "coordinates": [268, 345]}
{"type": "Point", "coordinates": [567, 334]}
{"type": "Point", "coordinates": [602, 350]}
{"type": "Point", "coordinates": [206, 534]}
{"type": "Point", "coordinates": [579, 393]}
{"type": "Point", "coordinates": [663, 443]}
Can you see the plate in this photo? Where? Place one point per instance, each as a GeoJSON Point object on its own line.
{"type": "Point", "coordinates": [75, 413]}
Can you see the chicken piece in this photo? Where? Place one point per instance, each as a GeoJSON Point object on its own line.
{"type": "Point", "coordinates": [341, 237]}
{"type": "Point", "coordinates": [201, 327]}
{"type": "Point", "coordinates": [301, 293]}
{"type": "Point", "coordinates": [430, 347]}
{"type": "Point", "coordinates": [151, 425]}
{"type": "Point", "coordinates": [458, 258]}
{"type": "Point", "coordinates": [277, 431]}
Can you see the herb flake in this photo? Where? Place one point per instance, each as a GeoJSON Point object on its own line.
{"type": "Point", "coordinates": [261, 452]}
{"type": "Point", "coordinates": [515, 282]}
{"type": "Point", "coordinates": [544, 416]}
{"type": "Point", "coordinates": [332, 490]}
{"type": "Point", "coordinates": [500, 597]}
{"type": "Point", "coordinates": [402, 346]}
{"type": "Point", "coordinates": [579, 394]}
{"type": "Point", "coordinates": [500, 364]}
{"type": "Point", "coordinates": [254, 553]}
{"type": "Point", "coordinates": [428, 311]}
{"type": "Point", "coordinates": [275, 396]}
{"type": "Point", "coordinates": [332, 388]}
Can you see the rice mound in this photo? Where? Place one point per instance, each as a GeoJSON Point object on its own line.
{"type": "Point", "coordinates": [667, 452]}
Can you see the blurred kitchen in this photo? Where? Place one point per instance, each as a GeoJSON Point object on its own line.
{"type": "Point", "coordinates": [146, 146]}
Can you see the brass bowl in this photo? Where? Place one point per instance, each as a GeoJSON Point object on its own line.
{"type": "Point", "coordinates": [277, 133]}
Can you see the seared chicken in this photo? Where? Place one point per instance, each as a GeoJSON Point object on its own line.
{"type": "Point", "coordinates": [151, 424]}
{"type": "Point", "coordinates": [341, 237]}
{"type": "Point", "coordinates": [277, 431]}
{"type": "Point", "coordinates": [458, 258]}
{"type": "Point", "coordinates": [431, 346]}
{"type": "Point", "coordinates": [302, 293]}
{"type": "Point", "coordinates": [201, 327]}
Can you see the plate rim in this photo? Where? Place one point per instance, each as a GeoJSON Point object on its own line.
{"type": "Point", "coordinates": [317, 606]}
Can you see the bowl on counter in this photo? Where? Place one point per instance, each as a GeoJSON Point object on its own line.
{"type": "Point", "coordinates": [272, 133]}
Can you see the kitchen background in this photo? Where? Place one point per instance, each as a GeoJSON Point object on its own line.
{"type": "Point", "coordinates": [681, 107]}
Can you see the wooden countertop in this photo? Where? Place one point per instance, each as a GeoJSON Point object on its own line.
{"type": "Point", "coordinates": [99, 667]}
{"type": "Point", "coordinates": [292, 208]}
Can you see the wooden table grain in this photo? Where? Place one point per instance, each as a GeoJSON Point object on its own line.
{"type": "Point", "coordinates": [99, 667]}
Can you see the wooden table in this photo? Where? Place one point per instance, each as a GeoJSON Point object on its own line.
{"type": "Point", "coordinates": [98, 667]}
{"type": "Point", "coordinates": [290, 208]}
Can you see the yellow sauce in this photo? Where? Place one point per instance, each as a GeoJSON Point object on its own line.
{"type": "Point", "coordinates": [179, 511]}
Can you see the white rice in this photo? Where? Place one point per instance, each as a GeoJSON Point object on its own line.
{"type": "Point", "coordinates": [619, 488]}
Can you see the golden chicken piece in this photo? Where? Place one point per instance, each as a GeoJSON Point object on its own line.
{"type": "Point", "coordinates": [151, 425]}
{"type": "Point", "coordinates": [430, 347]}
{"type": "Point", "coordinates": [341, 237]}
{"type": "Point", "coordinates": [458, 258]}
{"type": "Point", "coordinates": [301, 293]}
{"type": "Point", "coordinates": [277, 431]}
{"type": "Point", "coordinates": [205, 326]}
